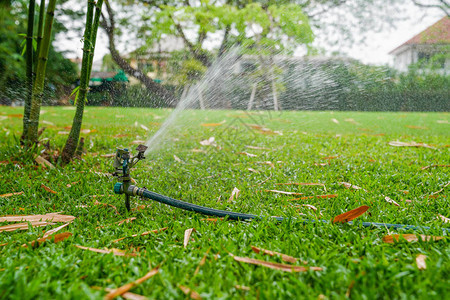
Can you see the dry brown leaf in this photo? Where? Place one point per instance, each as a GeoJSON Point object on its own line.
{"type": "Point", "coordinates": [412, 144]}
{"type": "Point", "coordinates": [189, 292]}
{"type": "Point", "coordinates": [349, 289]}
{"type": "Point", "coordinates": [177, 159]}
{"type": "Point", "coordinates": [51, 217]}
{"type": "Point", "coordinates": [106, 205]}
{"type": "Point", "coordinates": [275, 266]}
{"type": "Point", "coordinates": [126, 221]}
{"type": "Point", "coordinates": [202, 262]}
{"type": "Point", "coordinates": [242, 287]}
{"type": "Point", "coordinates": [416, 127]}
{"type": "Point", "coordinates": [144, 127]}
{"type": "Point", "coordinates": [56, 239]}
{"type": "Point", "coordinates": [142, 234]}
{"type": "Point", "coordinates": [283, 192]}
{"type": "Point", "coordinates": [187, 236]}
{"type": "Point", "coordinates": [127, 295]}
{"type": "Point", "coordinates": [317, 196]}
{"type": "Point", "coordinates": [443, 188]}
{"type": "Point", "coordinates": [5, 162]}
{"type": "Point", "coordinates": [138, 142]}
{"type": "Point", "coordinates": [15, 115]}
{"type": "Point", "coordinates": [285, 257]}
{"type": "Point", "coordinates": [54, 230]}
{"type": "Point", "coordinates": [234, 194]}
{"type": "Point", "coordinates": [248, 154]}
{"type": "Point", "coordinates": [257, 148]}
{"type": "Point", "coordinates": [389, 200]}
{"type": "Point", "coordinates": [269, 163]}
{"type": "Point", "coordinates": [301, 183]}
{"type": "Point", "coordinates": [410, 238]}
{"type": "Point", "coordinates": [69, 185]}
{"type": "Point", "coordinates": [252, 170]}
{"type": "Point", "coordinates": [209, 142]}
{"type": "Point", "coordinates": [435, 166]}
{"type": "Point", "coordinates": [211, 124]}
{"type": "Point", "coordinates": [119, 222]}
{"type": "Point", "coordinates": [350, 120]}
{"type": "Point", "coordinates": [120, 135]}
{"type": "Point", "coordinates": [43, 162]}
{"type": "Point", "coordinates": [125, 288]}
{"type": "Point", "coordinates": [11, 194]}
{"type": "Point", "coordinates": [24, 226]}
{"type": "Point", "coordinates": [330, 157]}
{"type": "Point", "coordinates": [110, 155]}
{"type": "Point", "coordinates": [350, 215]}
{"type": "Point", "coordinates": [321, 164]}
{"type": "Point", "coordinates": [443, 218]}
{"type": "Point", "coordinates": [335, 121]}
{"type": "Point", "coordinates": [48, 189]}
{"type": "Point", "coordinates": [114, 251]}
{"type": "Point", "coordinates": [211, 219]}
{"type": "Point", "coordinates": [420, 262]}
{"type": "Point", "coordinates": [310, 206]}
{"type": "Point", "coordinates": [349, 185]}
{"type": "Point", "coordinates": [198, 150]}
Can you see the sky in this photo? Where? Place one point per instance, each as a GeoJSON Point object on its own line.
{"type": "Point", "coordinates": [375, 51]}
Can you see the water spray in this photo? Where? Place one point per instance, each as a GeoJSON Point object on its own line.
{"type": "Point", "coordinates": [124, 161]}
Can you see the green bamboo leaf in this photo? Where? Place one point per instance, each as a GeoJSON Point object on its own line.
{"type": "Point", "coordinates": [76, 97]}
{"type": "Point", "coordinates": [75, 90]}
{"type": "Point", "coordinates": [24, 48]}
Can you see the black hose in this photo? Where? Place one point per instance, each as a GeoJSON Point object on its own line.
{"type": "Point", "coordinates": [241, 216]}
{"type": "Point", "coordinates": [200, 209]}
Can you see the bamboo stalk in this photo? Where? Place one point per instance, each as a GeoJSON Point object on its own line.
{"type": "Point", "coordinates": [38, 89]}
{"type": "Point", "coordinates": [40, 27]}
{"type": "Point", "coordinates": [29, 66]}
{"type": "Point", "coordinates": [90, 36]}
{"type": "Point", "coordinates": [98, 13]}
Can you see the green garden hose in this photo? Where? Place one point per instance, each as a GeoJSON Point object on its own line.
{"type": "Point", "coordinates": [136, 191]}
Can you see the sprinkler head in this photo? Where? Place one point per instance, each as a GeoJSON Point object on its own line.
{"type": "Point", "coordinates": [118, 188]}
{"type": "Point", "coordinates": [123, 162]}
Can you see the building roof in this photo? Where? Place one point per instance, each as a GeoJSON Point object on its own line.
{"type": "Point", "coordinates": [438, 33]}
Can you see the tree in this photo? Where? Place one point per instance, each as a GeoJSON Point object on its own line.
{"type": "Point", "coordinates": [278, 26]}
{"type": "Point", "coordinates": [90, 38]}
{"type": "Point", "coordinates": [108, 23]}
{"type": "Point", "coordinates": [441, 5]}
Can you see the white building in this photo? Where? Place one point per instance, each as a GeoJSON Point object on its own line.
{"type": "Point", "coordinates": [433, 40]}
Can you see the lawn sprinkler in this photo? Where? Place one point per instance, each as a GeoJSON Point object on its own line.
{"type": "Point", "coordinates": [123, 162]}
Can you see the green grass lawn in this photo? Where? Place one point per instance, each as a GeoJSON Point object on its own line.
{"type": "Point", "coordinates": [287, 147]}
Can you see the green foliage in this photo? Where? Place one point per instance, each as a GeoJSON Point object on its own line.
{"type": "Point", "coordinates": [189, 71]}
{"type": "Point", "coordinates": [354, 86]}
{"type": "Point", "coordinates": [60, 71]}
{"type": "Point", "coordinates": [12, 63]}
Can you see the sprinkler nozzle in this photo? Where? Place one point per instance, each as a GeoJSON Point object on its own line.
{"type": "Point", "coordinates": [123, 162]}
{"type": "Point", "coordinates": [118, 188]}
